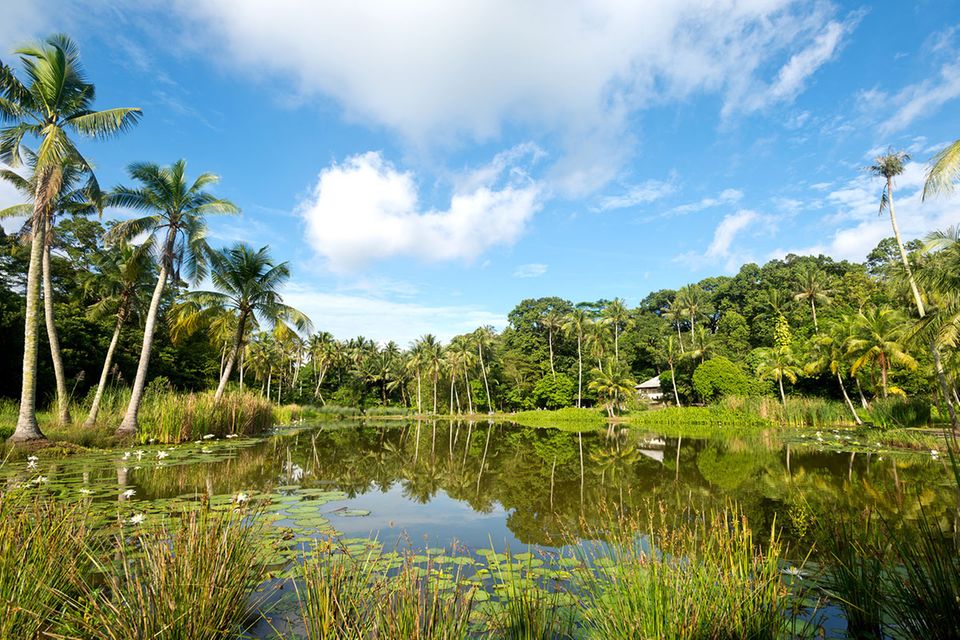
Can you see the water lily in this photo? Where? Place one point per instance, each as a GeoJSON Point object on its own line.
{"type": "Point", "coordinates": [129, 493]}
{"type": "Point", "coordinates": [209, 436]}
{"type": "Point", "coordinates": [137, 518]}
{"type": "Point", "coordinates": [793, 572]}
{"type": "Point", "coordinates": [140, 453]}
{"type": "Point", "coordinates": [205, 450]}
{"type": "Point", "coordinates": [232, 435]}
{"type": "Point", "coordinates": [162, 454]}
{"type": "Point", "coordinates": [39, 479]}
{"type": "Point", "coordinates": [241, 498]}
{"type": "Point", "coordinates": [126, 455]}
{"type": "Point", "coordinates": [31, 464]}
{"type": "Point", "coordinates": [85, 491]}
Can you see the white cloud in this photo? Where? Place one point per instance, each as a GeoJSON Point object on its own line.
{"type": "Point", "coordinates": [920, 99]}
{"type": "Point", "coordinates": [726, 232]}
{"type": "Point", "coordinates": [347, 316]}
{"type": "Point", "coordinates": [727, 196]}
{"type": "Point", "coordinates": [649, 191]}
{"type": "Point", "coordinates": [532, 270]}
{"type": "Point", "coordinates": [365, 210]}
{"type": "Point", "coordinates": [574, 71]}
{"type": "Point", "coordinates": [23, 20]}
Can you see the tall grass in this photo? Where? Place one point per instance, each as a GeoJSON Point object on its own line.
{"type": "Point", "coordinates": [42, 551]}
{"type": "Point", "coordinates": [716, 415]}
{"type": "Point", "coordinates": [190, 578]}
{"type": "Point", "coordinates": [568, 419]}
{"type": "Point", "coordinates": [529, 611]}
{"type": "Point", "coordinates": [703, 578]}
{"type": "Point", "coordinates": [798, 412]}
{"type": "Point", "coordinates": [901, 412]}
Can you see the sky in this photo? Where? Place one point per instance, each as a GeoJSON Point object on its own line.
{"type": "Point", "coordinates": [425, 165]}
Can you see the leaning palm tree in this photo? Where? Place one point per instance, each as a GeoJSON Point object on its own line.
{"type": "Point", "coordinates": [575, 324]}
{"type": "Point", "coordinates": [675, 315]}
{"type": "Point", "coordinates": [777, 363]}
{"type": "Point", "coordinates": [671, 354]}
{"type": "Point", "coordinates": [122, 274]}
{"type": "Point", "coordinates": [695, 303]}
{"type": "Point", "coordinates": [177, 211]}
{"type": "Point", "coordinates": [813, 285]}
{"type": "Point", "coordinates": [828, 353]}
{"type": "Point", "coordinates": [877, 340]}
{"type": "Point", "coordinates": [944, 171]}
{"type": "Point", "coordinates": [56, 100]}
{"type": "Point", "coordinates": [76, 197]}
{"type": "Point", "coordinates": [247, 284]}
{"type": "Point", "coordinates": [889, 166]}
{"type": "Point", "coordinates": [483, 336]}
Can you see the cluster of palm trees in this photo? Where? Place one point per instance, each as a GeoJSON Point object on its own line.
{"type": "Point", "coordinates": [166, 243]}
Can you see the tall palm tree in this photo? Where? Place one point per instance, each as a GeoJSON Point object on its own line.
{"type": "Point", "coordinates": [813, 285]}
{"type": "Point", "coordinates": [944, 171]}
{"type": "Point", "coordinates": [617, 316]}
{"type": "Point", "coordinates": [613, 386]}
{"type": "Point", "coordinates": [575, 324]}
{"type": "Point", "coordinates": [465, 359]}
{"type": "Point", "coordinates": [695, 303]}
{"type": "Point", "coordinates": [675, 315]}
{"type": "Point", "coordinates": [702, 345]}
{"type": "Point", "coordinates": [877, 340]}
{"type": "Point", "coordinates": [320, 349]}
{"type": "Point", "coordinates": [777, 363]}
{"type": "Point", "coordinates": [552, 321]}
{"type": "Point", "coordinates": [122, 275]}
{"type": "Point", "coordinates": [177, 211]}
{"type": "Point", "coordinates": [74, 198]}
{"type": "Point", "coordinates": [671, 354]}
{"type": "Point", "coordinates": [247, 284]}
{"type": "Point", "coordinates": [595, 342]}
{"type": "Point", "coordinates": [56, 100]}
{"type": "Point", "coordinates": [482, 337]}
{"type": "Point", "coordinates": [889, 166]}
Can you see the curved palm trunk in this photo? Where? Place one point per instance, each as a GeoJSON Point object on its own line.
{"type": "Point", "coordinates": [232, 357]}
{"type": "Point", "coordinates": [107, 362]}
{"type": "Point", "coordinates": [486, 384]}
{"type": "Point", "coordinates": [63, 400]}
{"type": "Point", "coordinates": [419, 401]}
{"type": "Point", "coordinates": [129, 424]}
{"type": "Point", "coordinates": [673, 379]}
{"type": "Point", "coordinates": [435, 385]}
{"type": "Point", "coordinates": [550, 339]}
{"type": "Point", "coordinates": [850, 406]}
{"type": "Point", "coordinates": [783, 396]}
{"type": "Point", "coordinates": [903, 252]}
{"type": "Point", "coordinates": [27, 427]}
{"type": "Point", "coordinates": [680, 339]}
{"type": "Point", "coordinates": [616, 343]}
{"type": "Point", "coordinates": [944, 386]}
{"type": "Point", "coordinates": [813, 308]}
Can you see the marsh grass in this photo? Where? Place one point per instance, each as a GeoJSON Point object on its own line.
{"type": "Point", "coordinates": [42, 551]}
{"type": "Point", "coordinates": [901, 412]}
{"type": "Point", "coordinates": [191, 577]}
{"type": "Point", "coordinates": [529, 610]}
{"type": "Point", "coordinates": [701, 577]}
{"type": "Point", "coordinates": [722, 416]}
{"type": "Point", "coordinates": [568, 419]}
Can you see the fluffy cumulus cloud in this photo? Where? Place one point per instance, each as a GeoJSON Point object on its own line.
{"type": "Point", "coordinates": [365, 209]}
{"type": "Point", "coordinates": [347, 315]}
{"type": "Point", "coordinates": [428, 69]}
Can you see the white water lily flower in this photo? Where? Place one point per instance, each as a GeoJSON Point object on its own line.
{"type": "Point", "coordinates": [209, 436]}
{"type": "Point", "coordinates": [137, 519]}
{"type": "Point", "coordinates": [32, 458]}
{"type": "Point", "coordinates": [31, 464]}
{"type": "Point", "coordinates": [241, 498]}
{"type": "Point", "coordinates": [85, 491]}
{"type": "Point", "coordinates": [232, 435]}
{"type": "Point", "coordinates": [162, 454]}
{"type": "Point", "coordinates": [794, 572]}
{"type": "Point", "coordinates": [39, 479]}
{"type": "Point", "coordinates": [126, 455]}
{"type": "Point", "coordinates": [205, 450]}
{"type": "Point", "coordinates": [129, 493]}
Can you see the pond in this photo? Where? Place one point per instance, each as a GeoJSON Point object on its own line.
{"type": "Point", "coordinates": [435, 484]}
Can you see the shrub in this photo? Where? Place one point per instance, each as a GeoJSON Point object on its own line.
{"type": "Point", "coordinates": [719, 377]}
{"type": "Point", "coordinates": [554, 392]}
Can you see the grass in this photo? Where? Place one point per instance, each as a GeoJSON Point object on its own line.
{"type": "Point", "coordinates": [715, 416]}
{"type": "Point", "coordinates": [568, 419]}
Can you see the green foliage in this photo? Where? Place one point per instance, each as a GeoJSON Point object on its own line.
{"type": "Point", "coordinates": [719, 377]}
{"type": "Point", "coordinates": [569, 419]}
{"type": "Point", "coordinates": [554, 392]}
{"type": "Point", "coordinates": [900, 412]}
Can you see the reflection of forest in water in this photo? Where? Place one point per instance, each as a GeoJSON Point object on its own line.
{"type": "Point", "coordinates": [557, 485]}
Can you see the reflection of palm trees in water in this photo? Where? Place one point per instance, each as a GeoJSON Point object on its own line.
{"type": "Point", "coordinates": [421, 482]}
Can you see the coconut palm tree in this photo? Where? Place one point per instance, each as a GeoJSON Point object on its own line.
{"type": "Point", "coordinates": [675, 315]}
{"type": "Point", "coordinates": [320, 349]}
{"type": "Point", "coordinates": [702, 345]}
{"type": "Point", "coordinates": [613, 386]}
{"type": "Point", "coordinates": [829, 353]}
{"type": "Point", "coordinates": [483, 337]}
{"type": "Point", "coordinates": [575, 324]}
{"type": "Point", "coordinates": [76, 197]}
{"type": "Point", "coordinates": [122, 275]}
{"type": "Point", "coordinates": [177, 210]}
{"type": "Point", "coordinates": [247, 284]}
{"type": "Point", "coordinates": [671, 354]}
{"type": "Point", "coordinates": [56, 100]}
{"type": "Point", "coordinates": [812, 285]}
{"type": "Point", "coordinates": [465, 359]}
{"type": "Point", "coordinates": [944, 171]}
{"type": "Point", "coordinates": [616, 315]}
{"type": "Point", "coordinates": [694, 302]}
{"type": "Point", "coordinates": [889, 166]}
{"type": "Point", "coordinates": [876, 340]}
{"type": "Point", "coordinates": [777, 363]}
{"type": "Point", "coordinates": [552, 321]}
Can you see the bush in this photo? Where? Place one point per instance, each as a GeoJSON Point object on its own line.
{"type": "Point", "coordinates": [554, 392]}
{"type": "Point", "coordinates": [719, 377]}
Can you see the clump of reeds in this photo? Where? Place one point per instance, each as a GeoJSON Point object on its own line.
{"type": "Point", "coordinates": [901, 412]}
{"type": "Point", "coordinates": [171, 417]}
{"type": "Point", "coordinates": [704, 577]}
{"type": "Point", "coordinates": [798, 411]}
{"type": "Point", "coordinates": [42, 551]}
{"type": "Point", "coordinates": [188, 578]}
{"type": "Point", "coordinates": [529, 610]}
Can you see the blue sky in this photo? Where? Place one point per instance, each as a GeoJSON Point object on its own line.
{"type": "Point", "coordinates": [426, 165]}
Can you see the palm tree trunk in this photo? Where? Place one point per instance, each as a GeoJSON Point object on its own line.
{"type": "Point", "coordinates": [673, 379]}
{"type": "Point", "coordinates": [486, 384]}
{"type": "Point", "coordinates": [269, 380]}
{"type": "Point", "coordinates": [616, 343]}
{"type": "Point", "coordinates": [813, 307]}
{"type": "Point", "coordinates": [435, 385]}
{"type": "Point", "coordinates": [944, 387]}
{"type": "Point", "coordinates": [856, 417]}
{"type": "Point", "coordinates": [680, 339]}
{"type": "Point", "coordinates": [579, 370]}
{"type": "Point", "coordinates": [107, 362]}
{"type": "Point", "coordinates": [419, 403]}
{"type": "Point", "coordinates": [863, 398]}
{"type": "Point", "coordinates": [129, 424]}
{"type": "Point", "coordinates": [63, 400]}
{"type": "Point", "coordinates": [27, 427]}
{"type": "Point", "coordinates": [550, 340]}
{"type": "Point", "coordinates": [466, 384]}
{"type": "Point", "coordinates": [783, 396]}
{"type": "Point", "coordinates": [903, 252]}
{"type": "Point", "coordinates": [232, 357]}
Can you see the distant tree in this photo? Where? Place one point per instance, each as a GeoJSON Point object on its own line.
{"type": "Point", "coordinates": [720, 377]}
{"type": "Point", "coordinates": [813, 286]}
{"type": "Point", "coordinates": [575, 324]}
{"type": "Point", "coordinates": [777, 363]}
{"type": "Point", "coordinates": [616, 316]}
{"type": "Point", "coordinates": [613, 386]}
{"type": "Point", "coordinates": [553, 392]}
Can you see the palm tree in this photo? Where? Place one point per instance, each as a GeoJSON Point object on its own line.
{"type": "Point", "coordinates": [829, 354]}
{"type": "Point", "coordinates": [320, 348]}
{"type": "Point", "coordinates": [56, 100]}
{"type": "Point", "coordinates": [75, 200]}
{"type": "Point", "coordinates": [465, 359]}
{"type": "Point", "coordinates": [777, 363]}
{"type": "Point", "coordinates": [122, 275]}
{"type": "Point", "coordinates": [247, 284]}
{"type": "Point", "coordinates": [675, 314]}
{"type": "Point", "coordinates": [576, 323]}
{"type": "Point", "coordinates": [482, 336]}
{"type": "Point", "coordinates": [178, 208]}
{"type": "Point", "coordinates": [613, 386]}
{"type": "Point", "coordinates": [671, 358]}
{"type": "Point", "coordinates": [616, 315]}
{"type": "Point", "coordinates": [812, 285]}
{"type": "Point", "coordinates": [876, 340]}
{"type": "Point", "coordinates": [693, 300]}
{"type": "Point", "coordinates": [888, 167]}
{"type": "Point", "coordinates": [552, 321]}
{"type": "Point", "coordinates": [702, 345]}
{"type": "Point", "coordinates": [944, 171]}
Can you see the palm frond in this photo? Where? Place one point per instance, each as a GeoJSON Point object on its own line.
{"type": "Point", "coordinates": [944, 171]}
{"type": "Point", "coordinates": [104, 124]}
